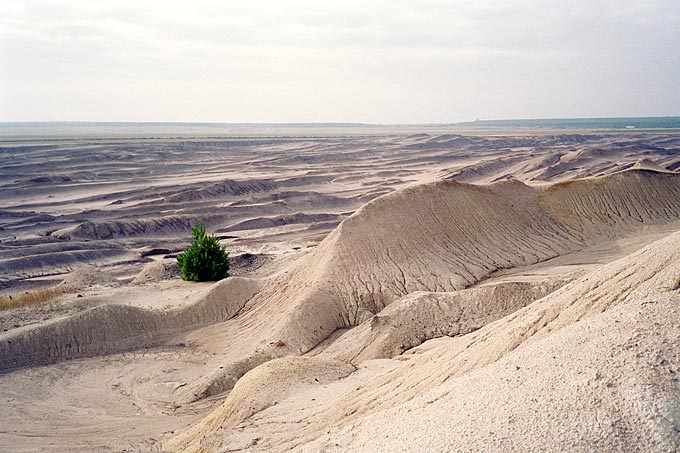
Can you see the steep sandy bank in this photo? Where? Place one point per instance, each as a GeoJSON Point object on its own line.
{"type": "Point", "coordinates": [591, 366]}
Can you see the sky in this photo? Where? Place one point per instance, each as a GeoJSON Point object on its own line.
{"type": "Point", "coordinates": [390, 61]}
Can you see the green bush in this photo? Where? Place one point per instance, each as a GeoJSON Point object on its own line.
{"type": "Point", "coordinates": [205, 260]}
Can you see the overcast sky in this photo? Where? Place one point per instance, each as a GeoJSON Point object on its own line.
{"type": "Point", "coordinates": [386, 61]}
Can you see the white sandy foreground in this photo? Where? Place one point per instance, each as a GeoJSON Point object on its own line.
{"type": "Point", "coordinates": [440, 317]}
{"type": "Point", "coordinates": [592, 366]}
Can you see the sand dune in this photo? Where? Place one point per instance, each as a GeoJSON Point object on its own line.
{"type": "Point", "coordinates": [286, 219]}
{"type": "Point", "coordinates": [113, 328]}
{"type": "Point", "coordinates": [515, 370]}
{"type": "Point", "coordinates": [421, 316]}
{"type": "Point", "coordinates": [226, 187]}
{"type": "Point", "coordinates": [427, 238]}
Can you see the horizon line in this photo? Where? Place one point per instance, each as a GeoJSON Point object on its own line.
{"type": "Point", "coordinates": [349, 123]}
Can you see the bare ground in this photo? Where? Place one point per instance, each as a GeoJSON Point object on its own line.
{"type": "Point", "coordinates": [454, 292]}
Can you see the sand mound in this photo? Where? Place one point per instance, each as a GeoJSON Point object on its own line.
{"type": "Point", "coordinates": [113, 328]}
{"type": "Point", "coordinates": [86, 277]}
{"type": "Point", "coordinates": [276, 221]}
{"type": "Point", "coordinates": [486, 170]}
{"type": "Point", "coordinates": [647, 164]}
{"type": "Point", "coordinates": [227, 187]}
{"type": "Point", "coordinates": [551, 376]}
{"type": "Point", "coordinates": [57, 257]}
{"type": "Point", "coordinates": [601, 159]}
{"type": "Point", "coordinates": [247, 263]}
{"type": "Point", "coordinates": [126, 228]}
{"type": "Point", "coordinates": [50, 178]}
{"type": "Point", "coordinates": [157, 271]}
{"type": "Point", "coordinates": [263, 387]}
{"type": "Point", "coordinates": [446, 236]}
{"type": "Point", "coordinates": [420, 316]}
{"type": "Point", "coordinates": [310, 200]}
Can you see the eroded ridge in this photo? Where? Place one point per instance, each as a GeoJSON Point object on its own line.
{"type": "Point", "coordinates": [440, 236]}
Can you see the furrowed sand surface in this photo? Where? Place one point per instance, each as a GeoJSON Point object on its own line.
{"type": "Point", "coordinates": [392, 293]}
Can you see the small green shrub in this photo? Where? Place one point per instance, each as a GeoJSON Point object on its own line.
{"type": "Point", "coordinates": [205, 260]}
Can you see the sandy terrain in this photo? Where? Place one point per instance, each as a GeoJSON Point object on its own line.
{"type": "Point", "coordinates": [118, 204]}
{"type": "Point", "coordinates": [390, 293]}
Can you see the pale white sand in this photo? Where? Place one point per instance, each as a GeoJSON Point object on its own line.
{"type": "Point", "coordinates": [527, 311]}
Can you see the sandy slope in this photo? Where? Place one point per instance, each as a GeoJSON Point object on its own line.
{"type": "Point", "coordinates": [592, 366]}
{"type": "Point", "coordinates": [439, 314]}
{"type": "Point", "coordinates": [437, 237]}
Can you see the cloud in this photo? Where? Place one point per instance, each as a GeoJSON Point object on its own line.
{"type": "Point", "coordinates": [300, 60]}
